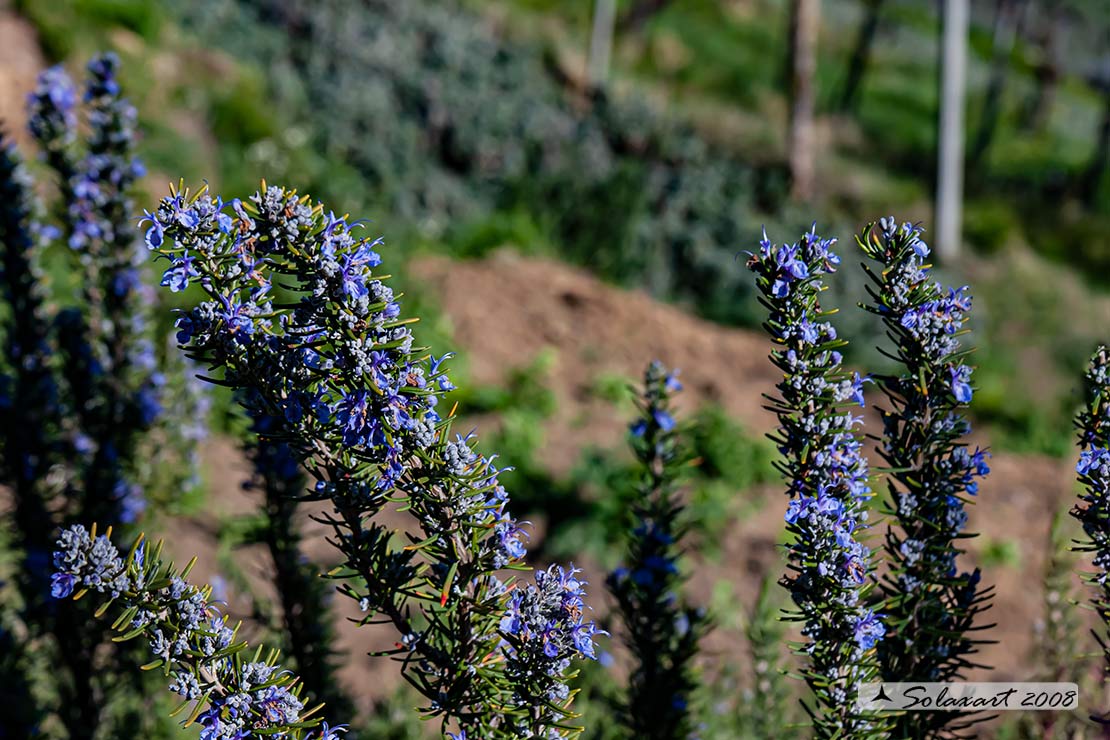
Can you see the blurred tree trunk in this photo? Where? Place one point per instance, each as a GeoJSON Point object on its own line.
{"type": "Point", "coordinates": [950, 165]}
{"type": "Point", "coordinates": [1008, 19]}
{"type": "Point", "coordinates": [640, 12]}
{"type": "Point", "coordinates": [861, 56]}
{"type": "Point", "coordinates": [1046, 66]}
{"type": "Point", "coordinates": [804, 25]}
{"type": "Point", "coordinates": [601, 41]}
{"type": "Point", "coordinates": [1092, 174]}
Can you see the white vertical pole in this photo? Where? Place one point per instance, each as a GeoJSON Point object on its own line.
{"type": "Point", "coordinates": [950, 163]}
{"type": "Point", "coordinates": [805, 23]}
{"type": "Point", "coordinates": [601, 41]}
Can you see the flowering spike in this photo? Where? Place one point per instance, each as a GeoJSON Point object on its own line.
{"type": "Point", "coordinates": [1093, 469]}
{"type": "Point", "coordinates": [829, 486]}
{"type": "Point", "coordinates": [931, 471]}
{"type": "Point", "coordinates": [661, 629]}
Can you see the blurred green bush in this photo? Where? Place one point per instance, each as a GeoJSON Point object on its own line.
{"type": "Point", "coordinates": [478, 140]}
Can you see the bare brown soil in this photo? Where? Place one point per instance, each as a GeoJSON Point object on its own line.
{"type": "Point", "coordinates": [506, 309]}
{"type": "Point", "coordinates": [20, 62]}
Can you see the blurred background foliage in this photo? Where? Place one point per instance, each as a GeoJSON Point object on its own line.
{"type": "Point", "coordinates": [467, 126]}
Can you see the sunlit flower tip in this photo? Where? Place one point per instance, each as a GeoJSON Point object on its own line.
{"type": "Point", "coordinates": [434, 363]}
{"type": "Point", "coordinates": [154, 236]}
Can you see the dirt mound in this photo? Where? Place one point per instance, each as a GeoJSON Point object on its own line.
{"type": "Point", "coordinates": [506, 309]}
{"type": "Point", "coordinates": [20, 61]}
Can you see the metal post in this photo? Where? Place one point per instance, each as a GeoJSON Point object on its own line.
{"type": "Point", "coordinates": [805, 21]}
{"type": "Point", "coordinates": [601, 41]}
{"type": "Point", "coordinates": [950, 163]}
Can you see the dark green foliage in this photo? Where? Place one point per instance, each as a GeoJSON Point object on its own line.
{"type": "Point", "coordinates": [725, 451]}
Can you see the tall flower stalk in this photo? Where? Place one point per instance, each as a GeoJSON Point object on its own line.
{"type": "Point", "coordinates": [82, 387]}
{"type": "Point", "coordinates": [29, 411]}
{"type": "Point", "coordinates": [225, 692]}
{"type": "Point", "coordinates": [116, 389]}
{"type": "Point", "coordinates": [330, 359]}
{"type": "Point", "coordinates": [662, 630]}
{"type": "Point", "coordinates": [931, 473]}
{"type": "Point", "coordinates": [1093, 469]}
{"type": "Point", "coordinates": [830, 570]}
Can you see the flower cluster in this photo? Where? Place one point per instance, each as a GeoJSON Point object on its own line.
{"type": "Point", "coordinates": [932, 473]}
{"type": "Point", "coordinates": [100, 210]}
{"type": "Point", "coordinates": [1093, 470]}
{"type": "Point", "coordinates": [232, 696]}
{"type": "Point", "coordinates": [661, 630]}
{"type": "Point", "coordinates": [828, 482]}
{"type": "Point", "coordinates": [544, 629]}
{"type": "Point", "coordinates": [333, 367]}
{"type": "Point", "coordinates": [1094, 419]}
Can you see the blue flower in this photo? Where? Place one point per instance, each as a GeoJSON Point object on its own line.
{"type": "Point", "coordinates": [826, 470]}
{"type": "Point", "coordinates": [177, 276]}
{"type": "Point", "coordinates": [869, 630]}
{"type": "Point", "coordinates": [922, 442]}
{"type": "Point", "coordinates": [61, 585]}
{"type": "Point", "coordinates": [185, 632]}
{"type": "Point", "coordinates": [797, 509]}
{"type": "Point", "coordinates": [327, 732]}
{"type": "Point", "coordinates": [663, 419]}
{"type": "Point", "coordinates": [857, 389]}
{"type": "Point", "coordinates": [961, 387]}
{"type": "Point", "coordinates": [339, 375]}
{"type": "Point", "coordinates": [1091, 460]}
{"type": "Point", "coordinates": [155, 235]}
{"type": "Point", "coordinates": [583, 639]}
